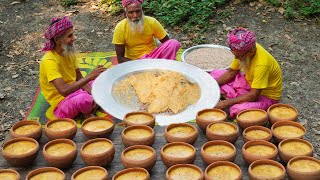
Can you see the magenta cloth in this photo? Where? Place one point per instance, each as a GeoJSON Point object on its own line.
{"type": "Point", "coordinates": [167, 50]}
{"type": "Point", "coordinates": [237, 87]}
{"type": "Point", "coordinates": [57, 28]}
{"type": "Point", "coordinates": [74, 104]}
{"type": "Point", "coordinates": [127, 2]}
{"type": "Point", "coordinates": [241, 39]}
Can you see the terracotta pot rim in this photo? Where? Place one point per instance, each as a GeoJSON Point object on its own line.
{"type": "Point", "coordinates": [44, 169]}
{"type": "Point", "coordinates": [269, 162]}
{"type": "Point", "coordinates": [302, 157]}
{"type": "Point", "coordinates": [254, 109]}
{"type": "Point", "coordinates": [259, 142]}
{"type": "Point", "coordinates": [282, 104]}
{"type": "Point", "coordinates": [178, 143]}
{"type": "Point", "coordinates": [85, 131]}
{"type": "Point", "coordinates": [217, 163]}
{"type": "Point", "coordinates": [74, 151]}
{"type": "Point", "coordinates": [173, 125]}
{"type": "Point", "coordinates": [129, 170]}
{"type": "Point", "coordinates": [76, 173]}
{"type": "Point", "coordinates": [35, 150]}
{"type": "Point", "coordinates": [12, 171]}
{"type": "Point", "coordinates": [152, 121]}
{"type": "Point", "coordinates": [295, 139]}
{"type": "Point", "coordinates": [222, 122]}
{"type": "Point", "coordinates": [134, 127]}
{"type": "Point", "coordinates": [211, 109]}
{"type": "Point", "coordinates": [61, 119]}
{"type": "Point", "coordinates": [250, 128]}
{"type": "Point", "coordinates": [153, 156]}
{"type": "Point", "coordinates": [95, 140]}
{"type": "Point", "coordinates": [290, 123]}
{"type": "Point", "coordinates": [185, 165]}
{"type": "Point", "coordinates": [25, 122]}
{"type": "Point", "coordinates": [217, 142]}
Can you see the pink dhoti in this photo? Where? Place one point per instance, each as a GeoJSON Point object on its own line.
{"type": "Point", "coordinates": [237, 87]}
{"type": "Point", "coordinates": [75, 103]}
{"type": "Point", "coordinates": [167, 50]}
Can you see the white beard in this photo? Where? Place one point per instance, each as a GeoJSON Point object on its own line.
{"type": "Point", "coordinates": [136, 26]}
{"type": "Point", "coordinates": [245, 65]}
{"type": "Point", "coordinates": [69, 51]}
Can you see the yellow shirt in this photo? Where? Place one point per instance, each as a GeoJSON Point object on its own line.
{"type": "Point", "coordinates": [54, 66]}
{"type": "Point", "coordinates": [138, 44]}
{"type": "Point", "coordinates": [264, 73]}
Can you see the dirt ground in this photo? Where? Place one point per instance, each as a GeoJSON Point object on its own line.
{"type": "Point", "coordinates": [295, 44]}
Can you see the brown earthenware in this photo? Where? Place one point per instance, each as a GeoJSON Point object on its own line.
{"type": "Point", "coordinates": [149, 119]}
{"type": "Point", "coordinates": [273, 119]}
{"type": "Point", "coordinates": [243, 123]}
{"type": "Point", "coordinates": [60, 161]}
{"type": "Point", "coordinates": [203, 122]}
{"type": "Point", "coordinates": [15, 174]}
{"type": "Point", "coordinates": [43, 170]}
{"type": "Point", "coordinates": [104, 133]}
{"type": "Point", "coordinates": [279, 138]}
{"type": "Point", "coordinates": [89, 176]}
{"type": "Point", "coordinates": [230, 137]}
{"type": "Point", "coordinates": [57, 134]}
{"type": "Point", "coordinates": [134, 140]}
{"type": "Point", "coordinates": [285, 156]}
{"type": "Point", "coordinates": [219, 155]}
{"type": "Point", "coordinates": [140, 171]}
{"type": "Point", "coordinates": [36, 134]}
{"type": "Point", "coordinates": [208, 176]}
{"type": "Point", "coordinates": [194, 172]}
{"type": "Point", "coordinates": [273, 176]}
{"type": "Point", "coordinates": [20, 159]}
{"type": "Point", "coordinates": [250, 157]}
{"type": "Point", "coordinates": [176, 154]}
{"type": "Point", "coordinates": [103, 157]}
{"type": "Point", "coordinates": [256, 129]}
{"type": "Point", "coordinates": [180, 135]}
{"type": "Point", "coordinates": [297, 174]}
{"type": "Point", "coordinates": [138, 160]}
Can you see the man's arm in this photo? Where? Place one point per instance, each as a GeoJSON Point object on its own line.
{"type": "Point", "coordinates": [86, 87]}
{"type": "Point", "coordinates": [227, 76]}
{"type": "Point", "coordinates": [166, 38]}
{"type": "Point", "coordinates": [120, 50]}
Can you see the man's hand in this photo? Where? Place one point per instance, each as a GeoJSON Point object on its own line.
{"type": "Point", "coordinates": [96, 72]}
{"type": "Point", "coordinates": [222, 104]}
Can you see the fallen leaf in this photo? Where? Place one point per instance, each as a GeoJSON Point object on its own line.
{"type": "Point", "coordinates": [22, 113]}
{"type": "Point", "coordinates": [7, 89]}
{"type": "Point", "coordinates": [15, 2]}
{"type": "Point", "coordinates": [287, 36]}
{"type": "Point", "coordinates": [281, 10]}
{"type": "Point", "coordinates": [2, 96]}
{"type": "Point", "coordinates": [15, 76]}
{"type": "Point", "coordinates": [252, 4]}
{"type": "Point", "coordinates": [99, 33]}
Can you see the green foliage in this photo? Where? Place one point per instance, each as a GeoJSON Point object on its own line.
{"type": "Point", "coordinates": [68, 2]}
{"type": "Point", "coordinates": [111, 6]}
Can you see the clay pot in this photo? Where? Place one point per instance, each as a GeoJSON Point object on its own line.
{"type": "Point", "coordinates": [187, 170]}
{"type": "Point", "coordinates": [139, 118]}
{"type": "Point", "coordinates": [35, 172]}
{"type": "Point", "coordinates": [135, 172]}
{"type": "Point", "coordinates": [130, 137]}
{"type": "Point", "coordinates": [11, 174]}
{"type": "Point", "coordinates": [56, 160]}
{"type": "Point", "coordinates": [97, 152]}
{"type": "Point", "coordinates": [207, 116]}
{"type": "Point", "coordinates": [252, 117]}
{"type": "Point", "coordinates": [250, 157]}
{"type": "Point", "coordinates": [24, 157]}
{"type": "Point", "coordinates": [257, 133]}
{"type": "Point", "coordinates": [95, 130]}
{"type": "Point", "coordinates": [234, 173]}
{"type": "Point", "coordinates": [286, 113]}
{"type": "Point", "coordinates": [90, 172]}
{"type": "Point", "coordinates": [296, 171]}
{"type": "Point", "coordinates": [135, 156]}
{"type": "Point", "coordinates": [279, 134]}
{"type": "Point", "coordinates": [256, 172]}
{"type": "Point", "coordinates": [217, 154]}
{"type": "Point", "coordinates": [285, 154]}
{"type": "Point", "coordinates": [30, 129]}
{"type": "Point", "coordinates": [67, 129]}
{"type": "Point", "coordinates": [215, 132]}
{"type": "Point", "coordinates": [181, 132]}
{"type": "Point", "coordinates": [177, 153]}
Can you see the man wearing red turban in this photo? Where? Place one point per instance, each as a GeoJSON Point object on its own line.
{"type": "Point", "coordinates": [134, 37]}
{"type": "Point", "coordinates": [258, 85]}
{"type": "Point", "coordinates": [61, 82]}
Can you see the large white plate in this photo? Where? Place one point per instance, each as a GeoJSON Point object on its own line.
{"type": "Point", "coordinates": [103, 96]}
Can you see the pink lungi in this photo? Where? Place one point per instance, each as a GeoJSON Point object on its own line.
{"type": "Point", "coordinates": [75, 103]}
{"type": "Point", "coordinates": [167, 50]}
{"type": "Point", "coordinates": [237, 87]}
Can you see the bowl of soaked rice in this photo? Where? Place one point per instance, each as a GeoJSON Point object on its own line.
{"type": "Point", "coordinates": [208, 56]}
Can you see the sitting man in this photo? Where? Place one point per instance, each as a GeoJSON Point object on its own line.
{"type": "Point", "coordinates": [62, 84]}
{"type": "Point", "coordinates": [261, 84]}
{"type": "Point", "coordinates": [134, 36]}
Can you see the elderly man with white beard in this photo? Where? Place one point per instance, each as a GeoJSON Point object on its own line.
{"type": "Point", "coordinates": [61, 82]}
{"type": "Point", "coordinates": [134, 36]}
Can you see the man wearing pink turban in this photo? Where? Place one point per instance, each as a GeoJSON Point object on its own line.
{"type": "Point", "coordinates": [254, 79]}
{"type": "Point", "coordinates": [61, 82]}
{"type": "Point", "coordinates": [134, 37]}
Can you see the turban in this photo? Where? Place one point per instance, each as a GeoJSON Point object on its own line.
{"type": "Point", "coordinates": [241, 39]}
{"type": "Point", "coordinates": [57, 27]}
{"type": "Point", "coordinates": [125, 3]}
